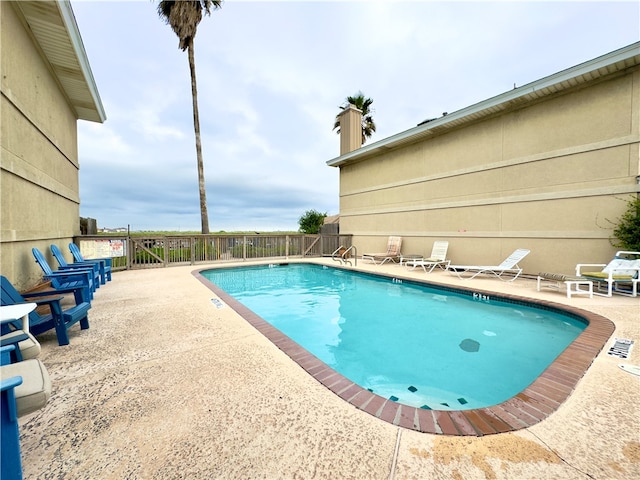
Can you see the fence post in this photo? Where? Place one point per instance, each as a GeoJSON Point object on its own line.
{"type": "Point", "coordinates": [165, 245]}
{"type": "Point", "coordinates": [129, 252]}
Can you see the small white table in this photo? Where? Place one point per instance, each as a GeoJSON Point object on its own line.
{"type": "Point", "coordinates": [574, 285]}
{"type": "Point", "coordinates": [409, 258]}
{"type": "Point", "coordinates": [10, 313]}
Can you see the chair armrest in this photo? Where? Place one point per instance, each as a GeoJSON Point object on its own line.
{"type": "Point", "coordinates": [71, 276]}
{"type": "Point", "coordinates": [14, 340]}
{"type": "Point", "coordinates": [76, 268]}
{"type": "Point", "coordinates": [84, 264]}
{"type": "Point", "coordinates": [51, 301]}
{"type": "Point", "coordinates": [105, 260]}
{"type": "Point", "coordinates": [50, 297]}
{"type": "Point", "coordinates": [9, 383]}
{"type": "Point", "coordinates": [580, 265]}
{"type": "Point", "coordinates": [53, 296]}
{"type": "Point", "coordinates": [627, 252]}
{"type": "Point", "coordinates": [70, 273]}
{"type": "Point", "coordinates": [5, 354]}
{"type": "Point", "coordinates": [48, 293]}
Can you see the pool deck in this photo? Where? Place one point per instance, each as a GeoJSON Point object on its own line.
{"type": "Point", "coordinates": [168, 384]}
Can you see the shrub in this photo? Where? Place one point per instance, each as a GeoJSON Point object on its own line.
{"type": "Point", "coordinates": [311, 221]}
{"type": "Point", "coordinates": [626, 234]}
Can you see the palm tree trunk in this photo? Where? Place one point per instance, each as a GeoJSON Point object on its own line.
{"type": "Point", "coordinates": [204, 216]}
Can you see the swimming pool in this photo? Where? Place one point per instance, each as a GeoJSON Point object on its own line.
{"type": "Point", "coordinates": [398, 341]}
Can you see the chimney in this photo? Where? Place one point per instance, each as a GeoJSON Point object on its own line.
{"type": "Point", "coordinates": [350, 129]}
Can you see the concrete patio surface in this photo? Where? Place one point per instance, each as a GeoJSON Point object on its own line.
{"type": "Point", "coordinates": [166, 385]}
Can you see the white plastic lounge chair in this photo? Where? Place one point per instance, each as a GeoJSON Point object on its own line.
{"type": "Point", "coordinates": [438, 258]}
{"type": "Point", "coordinates": [391, 255]}
{"type": "Point", "coordinates": [508, 266]}
{"type": "Point", "coordinates": [622, 271]}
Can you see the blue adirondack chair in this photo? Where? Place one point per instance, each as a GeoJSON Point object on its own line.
{"type": "Point", "coordinates": [20, 381]}
{"type": "Point", "coordinates": [10, 437]}
{"type": "Point", "coordinates": [64, 266]}
{"type": "Point", "coordinates": [9, 434]}
{"type": "Point", "coordinates": [66, 280]}
{"type": "Point", "coordinates": [60, 318]}
{"type": "Point", "coordinates": [105, 263]}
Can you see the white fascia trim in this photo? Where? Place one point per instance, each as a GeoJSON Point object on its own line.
{"type": "Point", "coordinates": [69, 20]}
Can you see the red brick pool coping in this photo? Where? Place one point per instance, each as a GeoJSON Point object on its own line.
{"type": "Point", "coordinates": [535, 403]}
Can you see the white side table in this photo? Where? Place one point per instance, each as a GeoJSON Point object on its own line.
{"type": "Point", "coordinates": [410, 258]}
{"type": "Point", "coordinates": [10, 313]}
{"type": "Point", "coordinates": [573, 287]}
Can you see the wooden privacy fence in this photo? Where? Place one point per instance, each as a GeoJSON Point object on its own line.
{"type": "Point", "coordinates": [155, 251]}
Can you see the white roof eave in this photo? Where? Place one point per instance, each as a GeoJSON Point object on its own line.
{"type": "Point", "coordinates": [53, 26]}
{"type": "Point", "coordinates": [69, 20]}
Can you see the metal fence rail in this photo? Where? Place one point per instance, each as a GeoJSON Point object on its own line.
{"type": "Point", "coordinates": [158, 251]}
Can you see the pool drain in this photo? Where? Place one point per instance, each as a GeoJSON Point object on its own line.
{"type": "Point", "coordinates": [469, 345]}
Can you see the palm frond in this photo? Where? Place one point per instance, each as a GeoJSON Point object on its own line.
{"type": "Point", "coordinates": [363, 104]}
{"type": "Point", "coordinates": [184, 16]}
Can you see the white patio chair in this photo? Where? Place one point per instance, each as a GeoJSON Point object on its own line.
{"type": "Point", "coordinates": [438, 258]}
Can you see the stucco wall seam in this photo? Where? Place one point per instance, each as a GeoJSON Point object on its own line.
{"type": "Point", "coordinates": [592, 192]}
{"type": "Point", "coordinates": [45, 237]}
{"type": "Point", "coordinates": [31, 118]}
{"type": "Point", "coordinates": [534, 234]}
{"type": "Point", "coordinates": [565, 152]}
{"type": "Point", "coordinates": [12, 164]}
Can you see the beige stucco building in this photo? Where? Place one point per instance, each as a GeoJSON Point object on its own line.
{"type": "Point", "coordinates": [46, 87]}
{"type": "Point", "coordinates": [545, 166]}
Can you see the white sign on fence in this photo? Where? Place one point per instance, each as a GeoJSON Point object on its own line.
{"type": "Point", "coordinates": [103, 248]}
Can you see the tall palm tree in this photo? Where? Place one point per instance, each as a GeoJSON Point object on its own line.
{"type": "Point", "coordinates": [184, 16]}
{"type": "Point", "coordinates": [361, 103]}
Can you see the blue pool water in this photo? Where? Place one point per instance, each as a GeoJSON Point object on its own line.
{"type": "Point", "coordinates": [419, 345]}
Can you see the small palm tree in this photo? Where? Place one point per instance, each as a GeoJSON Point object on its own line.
{"type": "Point", "coordinates": [361, 103]}
{"type": "Point", "coordinates": [184, 16]}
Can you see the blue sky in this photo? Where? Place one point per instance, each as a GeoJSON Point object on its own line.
{"type": "Point", "coordinates": [271, 76]}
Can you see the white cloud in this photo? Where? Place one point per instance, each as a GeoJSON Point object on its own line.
{"type": "Point", "coordinates": [148, 118]}
{"type": "Point", "coordinates": [97, 141]}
